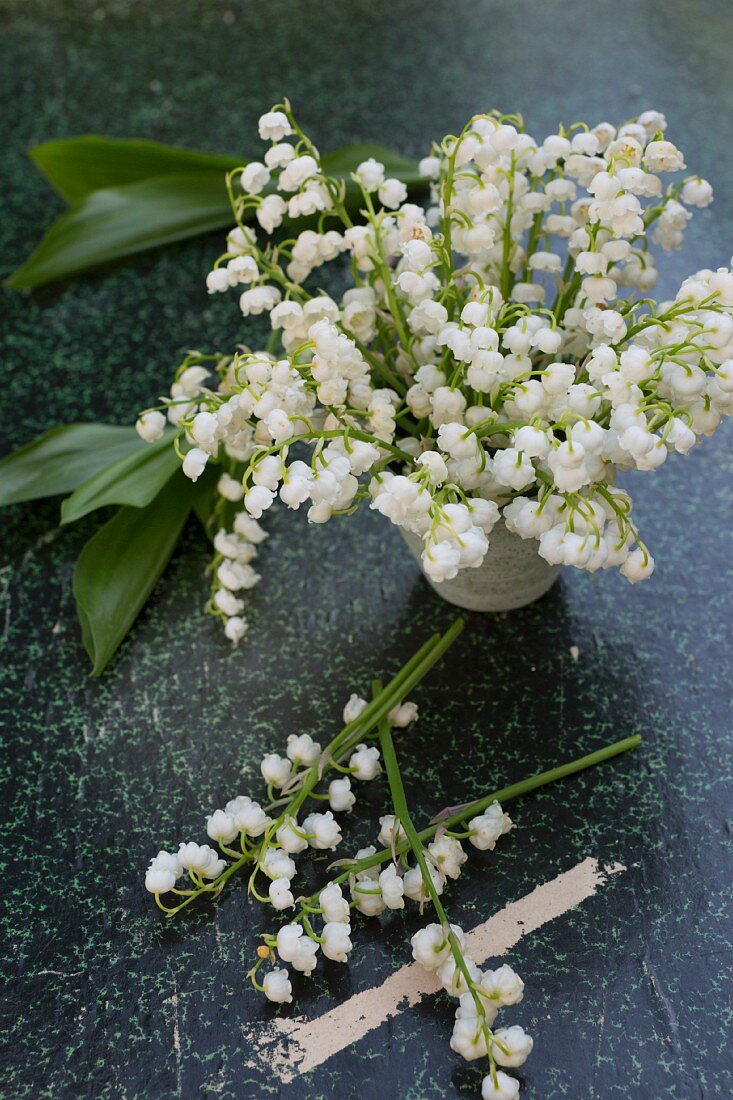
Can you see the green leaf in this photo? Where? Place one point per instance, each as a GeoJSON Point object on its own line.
{"type": "Point", "coordinates": [119, 567]}
{"type": "Point", "coordinates": [341, 162]}
{"type": "Point", "coordinates": [143, 212]}
{"type": "Point", "coordinates": [205, 498]}
{"type": "Point", "coordinates": [61, 459]}
{"type": "Point", "coordinates": [134, 479]}
{"type": "Point", "coordinates": [77, 166]}
{"type": "Point", "coordinates": [122, 221]}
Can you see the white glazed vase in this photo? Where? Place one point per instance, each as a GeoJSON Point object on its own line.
{"type": "Point", "coordinates": [511, 575]}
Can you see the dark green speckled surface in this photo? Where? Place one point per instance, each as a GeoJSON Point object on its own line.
{"type": "Point", "coordinates": [628, 996]}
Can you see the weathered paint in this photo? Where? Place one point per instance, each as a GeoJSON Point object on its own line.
{"type": "Point", "coordinates": [629, 995]}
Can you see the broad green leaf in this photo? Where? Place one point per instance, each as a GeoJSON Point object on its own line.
{"type": "Point", "coordinates": [77, 166]}
{"type": "Point", "coordinates": [61, 459]}
{"type": "Point", "coordinates": [120, 565]}
{"type": "Point", "coordinates": [212, 510]}
{"type": "Point", "coordinates": [122, 221]}
{"type": "Point", "coordinates": [205, 498]}
{"type": "Point", "coordinates": [145, 213]}
{"type": "Point", "coordinates": [341, 162]}
{"type": "Point", "coordinates": [134, 479]}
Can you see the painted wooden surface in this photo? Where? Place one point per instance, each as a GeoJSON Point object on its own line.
{"type": "Point", "coordinates": [629, 992]}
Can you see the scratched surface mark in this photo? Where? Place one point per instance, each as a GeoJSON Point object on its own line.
{"type": "Point", "coordinates": [628, 995]}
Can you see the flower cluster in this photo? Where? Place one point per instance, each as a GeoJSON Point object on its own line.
{"type": "Point", "coordinates": [495, 358]}
{"type": "Point", "coordinates": [323, 923]}
{"type": "Point", "coordinates": [272, 842]}
{"type": "Point", "coordinates": [443, 949]}
{"type": "Point", "coordinates": [376, 879]}
{"type": "Point", "coordinates": [480, 997]}
{"type": "Point", "coordinates": [267, 838]}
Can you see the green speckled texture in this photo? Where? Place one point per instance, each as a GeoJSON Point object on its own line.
{"type": "Point", "coordinates": [629, 995]}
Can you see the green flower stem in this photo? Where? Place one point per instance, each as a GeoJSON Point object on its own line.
{"type": "Point", "coordinates": [493, 427]}
{"type": "Point", "coordinates": [214, 888]}
{"type": "Point", "coordinates": [534, 236]}
{"type": "Point", "coordinates": [379, 708]}
{"type": "Point", "coordinates": [571, 285]}
{"type": "Point", "coordinates": [446, 222]}
{"type": "Point", "coordinates": [353, 433]}
{"type": "Point", "coordinates": [380, 366]}
{"type": "Point", "coordinates": [624, 522]}
{"type": "Point", "coordinates": [504, 794]}
{"type": "Point", "coordinates": [507, 280]}
{"type": "Point", "coordinates": [395, 307]}
{"type": "Point", "coordinates": [405, 680]}
{"type": "Point", "coordinates": [408, 676]}
{"type": "Point", "coordinates": [402, 814]}
{"type": "Point", "coordinates": [686, 305]}
{"type": "Point", "coordinates": [473, 809]}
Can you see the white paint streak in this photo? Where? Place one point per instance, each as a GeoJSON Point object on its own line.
{"type": "Point", "coordinates": [290, 1047]}
{"type": "Point", "coordinates": [61, 973]}
{"type": "Point", "coordinates": [173, 1000]}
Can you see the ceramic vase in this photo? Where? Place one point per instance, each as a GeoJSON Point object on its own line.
{"type": "Point", "coordinates": [511, 575]}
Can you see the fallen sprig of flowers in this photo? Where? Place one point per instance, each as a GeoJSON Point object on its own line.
{"type": "Point", "coordinates": [264, 841]}
{"type": "Point", "coordinates": [493, 359]}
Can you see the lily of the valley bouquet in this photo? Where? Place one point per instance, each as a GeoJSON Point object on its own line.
{"type": "Point", "coordinates": [496, 357]}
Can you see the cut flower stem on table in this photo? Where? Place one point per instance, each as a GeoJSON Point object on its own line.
{"type": "Point", "coordinates": [262, 841]}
